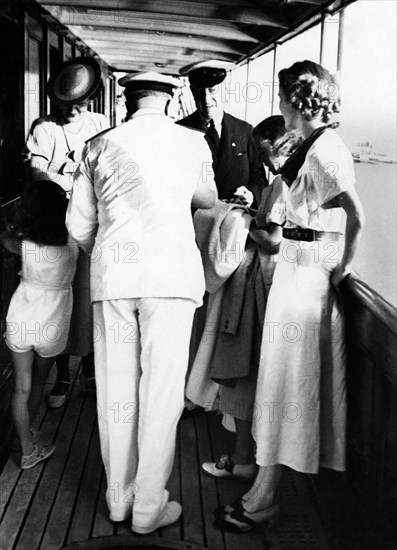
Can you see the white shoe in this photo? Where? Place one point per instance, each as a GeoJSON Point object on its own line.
{"type": "Point", "coordinates": [36, 456]}
{"type": "Point", "coordinates": [171, 513]}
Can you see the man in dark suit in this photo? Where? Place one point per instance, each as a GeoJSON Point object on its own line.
{"type": "Point", "coordinates": [237, 167]}
{"type": "Point", "coordinates": [235, 160]}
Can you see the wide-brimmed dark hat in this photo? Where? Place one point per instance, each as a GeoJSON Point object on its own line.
{"type": "Point", "coordinates": [75, 81]}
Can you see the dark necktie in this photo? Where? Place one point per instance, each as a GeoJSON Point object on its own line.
{"type": "Point", "coordinates": [212, 138]}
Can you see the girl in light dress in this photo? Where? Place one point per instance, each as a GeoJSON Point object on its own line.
{"type": "Point", "coordinates": [39, 313]}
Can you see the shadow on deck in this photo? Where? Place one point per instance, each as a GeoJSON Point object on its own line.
{"type": "Point", "coordinates": [61, 501]}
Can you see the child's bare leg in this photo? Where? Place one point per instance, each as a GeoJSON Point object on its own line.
{"type": "Point", "coordinates": [22, 365]}
{"type": "Point", "coordinates": [40, 370]}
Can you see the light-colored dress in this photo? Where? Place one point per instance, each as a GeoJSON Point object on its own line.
{"type": "Point", "coordinates": [38, 317]}
{"type": "Point", "coordinates": [300, 413]}
{"type": "Point", "coordinates": [52, 140]}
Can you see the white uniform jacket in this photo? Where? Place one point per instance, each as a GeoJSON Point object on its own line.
{"type": "Point", "coordinates": [130, 207]}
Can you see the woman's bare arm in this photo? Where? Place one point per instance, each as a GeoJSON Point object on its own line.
{"type": "Point", "coordinates": [351, 204]}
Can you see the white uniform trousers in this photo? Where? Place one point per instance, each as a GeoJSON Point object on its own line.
{"type": "Point", "coordinates": [141, 357]}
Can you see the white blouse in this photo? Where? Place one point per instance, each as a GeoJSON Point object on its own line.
{"type": "Point", "coordinates": [326, 172]}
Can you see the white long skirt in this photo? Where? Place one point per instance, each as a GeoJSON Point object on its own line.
{"type": "Point", "coordinates": [300, 414]}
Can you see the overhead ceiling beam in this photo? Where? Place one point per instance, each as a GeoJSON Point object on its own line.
{"type": "Point", "coordinates": [219, 32]}
{"type": "Point", "coordinates": [122, 11]}
{"type": "Point", "coordinates": [183, 56]}
{"type": "Point", "coordinates": [315, 2]}
{"type": "Point", "coordinates": [105, 51]}
{"type": "Point", "coordinates": [139, 38]}
{"type": "Point", "coordinates": [157, 23]}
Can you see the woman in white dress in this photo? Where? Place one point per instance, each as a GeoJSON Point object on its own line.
{"type": "Point", "coordinates": [53, 149]}
{"type": "Point", "coordinates": [300, 412]}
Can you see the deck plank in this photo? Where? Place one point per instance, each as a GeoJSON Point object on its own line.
{"type": "Point", "coordinates": [83, 514]}
{"type": "Point", "coordinates": [63, 499]}
{"type": "Point", "coordinates": [36, 522]}
{"type": "Point", "coordinates": [103, 526]}
{"type": "Point", "coordinates": [209, 485]}
{"type": "Point", "coordinates": [191, 487]}
{"type": "Point", "coordinates": [24, 490]}
{"type": "Point", "coordinates": [230, 489]}
{"type": "Point", "coordinates": [27, 483]}
{"type": "Point", "coordinates": [67, 493]}
{"type": "Point", "coordinates": [175, 530]}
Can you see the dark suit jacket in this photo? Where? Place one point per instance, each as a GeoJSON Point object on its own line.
{"type": "Point", "coordinates": [238, 162]}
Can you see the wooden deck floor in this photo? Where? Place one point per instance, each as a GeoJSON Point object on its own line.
{"type": "Point", "coordinates": [61, 501]}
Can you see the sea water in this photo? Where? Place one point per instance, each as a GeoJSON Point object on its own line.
{"type": "Point", "coordinates": [376, 260]}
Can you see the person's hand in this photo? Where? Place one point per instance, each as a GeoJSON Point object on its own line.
{"type": "Point", "coordinates": [338, 274]}
{"type": "Point", "coordinates": [245, 195]}
{"type": "Point", "coordinates": [237, 199]}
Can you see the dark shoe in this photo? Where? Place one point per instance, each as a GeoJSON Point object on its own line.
{"type": "Point", "coordinates": [226, 468]}
{"type": "Point", "coordinates": [236, 518]}
{"type": "Point", "coordinates": [87, 385]}
{"type": "Point", "coordinates": [59, 394]}
{"type": "Point", "coordinates": [190, 409]}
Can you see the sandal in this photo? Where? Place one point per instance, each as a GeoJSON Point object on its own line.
{"type": "Point", "coordinates": [226, 468]}
{"type": "Point", "coordinates": [36, 456]}
{"type": "Point", "coordinates": [59, 394]}
{"type": "Point", "coordinates": [237, 519]}
{"type": "Point", "coordinates": [87, 384]}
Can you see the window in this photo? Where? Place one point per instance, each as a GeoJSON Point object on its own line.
{"type": "Point", "coordinates": [301, 47]}
{"type": "Point", "coordinates": [368, 127]}
{"type": "Point", "coordinates": [33, 81]}
{"type": "Point", "coordinates": [235, 92]}
{"type": "Point", "coordinates": [259, 90]}
{"type": "Point", "coordinates": [329, 53]}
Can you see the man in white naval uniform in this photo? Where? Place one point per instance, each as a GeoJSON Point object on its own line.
{"type": "Point", "coordinates": [131, 207]}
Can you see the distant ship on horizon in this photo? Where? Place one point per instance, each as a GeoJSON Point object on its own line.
{"type": "Point", "coordinates": [365, 152]}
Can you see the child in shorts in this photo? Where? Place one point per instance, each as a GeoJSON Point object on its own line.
{"type": "Point", "coordinates": [39, 313]}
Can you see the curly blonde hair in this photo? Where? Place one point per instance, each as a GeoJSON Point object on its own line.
{"type": "Point", "coordinates": [311, 90]}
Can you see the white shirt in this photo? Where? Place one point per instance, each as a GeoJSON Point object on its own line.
{"type": "Point", "coordinates": [217, 123]}
{"type": "Point", "coordinates": [132, 199]}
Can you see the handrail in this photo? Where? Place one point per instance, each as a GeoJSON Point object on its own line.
{"type": "Point", "coordinates": [372, 301]}
{"type": "Point", "coordinates": [9, 202]}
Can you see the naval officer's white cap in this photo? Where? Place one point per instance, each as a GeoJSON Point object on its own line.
{"type": "Point", "coordinates": [150, 81]}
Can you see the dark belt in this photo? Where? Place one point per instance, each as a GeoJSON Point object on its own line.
{"type": "Point", "coordinates": [302, 234]}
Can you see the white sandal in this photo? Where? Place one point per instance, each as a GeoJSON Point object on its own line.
{"type": "Point", "coordinates": [36, 456]}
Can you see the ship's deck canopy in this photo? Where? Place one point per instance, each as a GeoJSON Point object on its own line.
{"type": "Point", "coordinates": [165, 35]}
